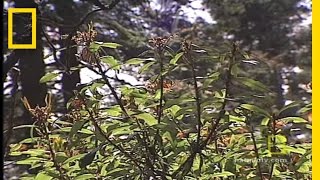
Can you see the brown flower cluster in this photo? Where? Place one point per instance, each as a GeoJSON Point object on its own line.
{"type": "Point", "coordinates": [85, 38]}
{"type": "Point", "coordinates": [186, 46]}
{"type": "Point", "coordinates": [76, 105]}
{"type": "Point", "coordinates": [41, 114]}
{"type": "Point", "coordinates": [153, 86]}
{"type": "Point", "coordinates": [160, 42]}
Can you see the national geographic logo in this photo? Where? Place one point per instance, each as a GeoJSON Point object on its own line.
{"type": "Point", "coordinates": [33, 12]}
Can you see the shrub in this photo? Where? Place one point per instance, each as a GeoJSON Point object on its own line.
{"type": "Point", "coordinates": [217, 126]}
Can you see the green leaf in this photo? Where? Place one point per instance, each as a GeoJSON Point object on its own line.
{"type": "Point", "coordinates": [265, 121]}
{"type": "Point", "coordinates": [77, 126]}
{"type": "Point", "coordinates": [235, 70]}
{"type": "Point", "coordinates": [256, 109]}
{"type": "Point", "coordinates": [289, 106]}
{"type": "Point", "coordinates": [213, 77]}
{"type": "Point", "coordinates": [148, 118]}
{"type": "Point", "coordinates": [288, 149]}
{"type": "Point", "coordinates": [111, 45]}
{"type": "Point", "coordinates": [253, 84]}
{"type": "Point", "coordinates": [31, 160]}
{"type": "Point", "coordinates": [85, 177]}
{"type": "Point", "coordinates": [61, 157]}
{"type": "Point", "coordinates": [245, 55]}
{"type": "Point", "coordinates": [134, 61]}
{"type": "Point", "coordinates": [122, 130]}
{"type": "Point", "coordinates": [43, 176]}
{"type": "Point", "coordinates": [146, 67]}
{"type": "Point", "coordinates": [48, 77]}
{"type": "Point", "coordinates": [236, 118]}
{"type": "Point", "coordinates": [222, 174]}
{"type": "Point", "coordinates": [73, 158]}
{"type": "Point", "coordinates": [168, 136]}
{"type": "Point", "coordinates": [34, 152]}
{"type": "Point", "coordinates": [305, 168]}
{"type": "Point", "coordinates": [114, 111]}
{"type": "Point", "coordinates": [95, 46]}
{"type": "Point", "coordinates": [174, 109]}
{"type": "Point", "coordinates": [100, 136]}
{"type": "Point", "coordinates": [174, 60]}
{"type": "Point", "coordinates": [88, 158]}
{"type": "Point", "coordinates": [116, 170]}
{"type": "Point", "coordinates": [95, 85]}
{"type": "Point", "coordinates": [280, 139]}
{"type": "Point", "coordinates": [111, 61]}
{"type": "Point", "coordinates": [294, 120]}
{"type": "Point", "coordinates": [68, 129]}
{"type": "Point", "coordinates": [22, 126]}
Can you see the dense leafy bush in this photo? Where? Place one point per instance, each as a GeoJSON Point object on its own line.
{"type": "Point", "coordinates": [222, 125]}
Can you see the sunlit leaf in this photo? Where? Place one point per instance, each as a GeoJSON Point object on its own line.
{"type": "Point", "coordinates": [48, 77]}
{"type": "Point", "coordinates": [294, 119]}
{"type": "Point", "coordinates": [146, 67]}
{"type": "Point", "coordinates": [111, 61]}
{"type": "Point", "coordinates": [256, 109]}
{"type": "Point", "coordinates": [148, 118]}
{"type": "Point", "coordinates": [135, 61]}
{"type": "Point", "coordinates": [222, 174]}
{"type": "Point", "coordinates": [76, 127]}
{"type": "Point", "coordinates": [253, 84]}
{"type": "Point", "coordinates": [176, 58]}
{"type": "Point", "coordinates": [43, 176]}
{"type": "Point", "coordinates": [111, 45]}
{"type": "Point", "coordinates": [85, 177]}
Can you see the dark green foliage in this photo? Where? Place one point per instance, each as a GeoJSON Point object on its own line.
{"type": "Point", "coordinates": [202, 133]}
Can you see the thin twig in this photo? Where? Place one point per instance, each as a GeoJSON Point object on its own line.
{"type": "Point", "coordinates": [113, 91]}
{"type": "Point", "coordinates": [52, 153]}
{"type": "Point", "coordinates": [161, 87]}
{"type": "Point", "coordinates": [98, 128]}
{"type": "Point", "coordinates": [273, 143]}
{"type": "Point", "coordinates": [256, 151]}
{"type": "Point", "coordinates": [198, 100]}
{"type": "Point", "coordinates": [85, 17]}
{"type": "Point", "coordinates": [54, 49]}
{"type": "Point", "coordinates": [214, 124]}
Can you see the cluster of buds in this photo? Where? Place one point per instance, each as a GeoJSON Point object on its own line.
{"type": "Point", "coordinates": [129, 102]}
{"type": "Point", "coordinates": [85, 38]}
{"type": "Point", "coordinates": [160, 42]}
{"type": "Point", "coordinates": [74, 116]}
{"type": "Point", "coordinates": [186, 46]}
{"type": "Point", "coordinates": [153, 86]}
{"type": "Point", "coordinates": [59, 144]}
{"type": "Point", "coordinates": [41, 114]}
{"type": "Point", "coordinates": [77, 103]}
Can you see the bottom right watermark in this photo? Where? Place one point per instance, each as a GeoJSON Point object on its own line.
{"type": "Point", "coordinates": [261, 160]}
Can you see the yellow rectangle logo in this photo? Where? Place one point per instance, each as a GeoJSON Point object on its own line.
{"type": "Point", "coordinates": [33, 12]}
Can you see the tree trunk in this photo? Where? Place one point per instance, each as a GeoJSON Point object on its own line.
{"type": "Point", "coordinates": [65, 9]}
{"type": "Point", "coordinates": [31, 62]}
